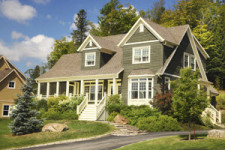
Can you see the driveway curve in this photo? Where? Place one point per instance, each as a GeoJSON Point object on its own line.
{"type": "Point", "coordinates": [110, 142]}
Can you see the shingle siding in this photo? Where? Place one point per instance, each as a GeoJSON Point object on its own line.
{"type": "Point", "coordinates": [141, 36]}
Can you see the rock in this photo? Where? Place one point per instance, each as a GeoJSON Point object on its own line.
{"type": "Point", "coordinates": [120, 119]}
{"type": "Point", "coordinates": [55, 127]}
{"type": "Point", "coordinates": [216, 133]}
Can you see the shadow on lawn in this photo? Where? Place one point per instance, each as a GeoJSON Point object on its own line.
{"type": "Point", "coordinates": [193, 137]}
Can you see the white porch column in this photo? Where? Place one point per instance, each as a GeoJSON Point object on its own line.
{"type": "Point", "coordinates": [81, 87]}
{"type": "Point", "coordinates": [67, 88]}
{"type": "Point", "coordinates": [114, 86]}
{"type": "Point", "coordinates": [57, 88]}
{"type": "Point", "coordinates": [96, 91]}
{"type": "Point", "coordinates": [47, 90]}
{"type": "Point", "coordinates": [39, 89]}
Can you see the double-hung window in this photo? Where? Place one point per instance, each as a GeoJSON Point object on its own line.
{"type": "Point", "coordinates": [141, 55]}
{"type": "Point", "coordinates": [6, 110]}
{"type": "Point", "coordinates": [90, 59]}
{"type": "Point", "coordinates": [189, 61]}
{"type": "Point", "coordinates": [141, 88]}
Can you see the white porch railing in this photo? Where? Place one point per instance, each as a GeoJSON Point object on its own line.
{"type": "Point", "coordinates": [214, 114]}
{"type": "Point", "coordinates": [82, 105]}
{"type": "Point", "coordinates": [100, 107]}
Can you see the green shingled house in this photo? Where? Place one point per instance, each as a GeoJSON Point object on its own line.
{"type": "Point", "coordinates": [132, 65]}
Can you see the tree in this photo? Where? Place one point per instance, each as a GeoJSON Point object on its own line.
{"type": "Point", "coordinates": [81, 24]}
{"type": "Point", "coordinates": [188, 102]}
{"type": "Point", "coordinates": [24, 117]}
{"type": "Point", "coordinates": [115, 18]}
{"type": "Point", "coordinates": [61, 47]}
{"type": "Point", "coordinates": [33, 74]}
{"type": "Point", "coordinates": [163, 100]}
{"type": "Point", "coordinates": [155, 14]}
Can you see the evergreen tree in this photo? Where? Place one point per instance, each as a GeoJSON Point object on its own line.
{"type": "Point", "coordinates": [24, 117]}
{"type": "Point", "coordinates": [188, 102]}
{"type": "Point", "coordinates": [81, 23]}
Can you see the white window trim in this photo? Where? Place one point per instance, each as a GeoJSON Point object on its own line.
{"type": "Point", "coordinates": [147, 84]}
{"type": "Point", "coordinates": [189, 60]}
{"type": "Point", "coordinates": [14, 85]}
{"type": "Point", "coordinates": [3, 110]}
{"type": "Point", "coordinates": [168, 83]}
{"type": "Point", "coordinates": [134, 48]}
{"type": "Point", "coordinates": [86, 54]}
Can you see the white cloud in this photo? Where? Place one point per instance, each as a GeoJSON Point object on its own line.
{"type": "Point", "coordinates": [17, 35]}
{"type": "Point", "coordinates": [41, 1]}
{"type": "Point", "coordinates": [37, 47]}
{"type": "Point", "coordinates": [73, 27]}
{"type": "Point", "coordinates": [132, 8]}
{"type": "Point", "coordinates": [14, 10]}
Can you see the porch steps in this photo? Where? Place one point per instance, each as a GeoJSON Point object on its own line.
{"type": "Point", "coordinates": [89, 113]}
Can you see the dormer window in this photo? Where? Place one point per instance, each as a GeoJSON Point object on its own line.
{"type": "Point", "coordinates": [90, 59]}
{"type": "Point", "coordinates": [189, 61]}
{"type": "Point", "coordinates": [141, 55]}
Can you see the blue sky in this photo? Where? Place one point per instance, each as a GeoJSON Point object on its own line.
{"type": "Point", "coordinates": [28, 28]}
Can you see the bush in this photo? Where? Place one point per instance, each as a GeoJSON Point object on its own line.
{"type": "Point", "coordinates": [51, 114]}
{"type": "Point", "coordinates": [220, 101]}
{"type": "Point", "coordinates": [207, 121]}
{"type": "Point", "coordinates": [112, 116]}
{"type": "Point", "coordinates": [161, 123]}
{"type": "Point", "coordinates": [134, 113]}
{"type": "Point", "coordinates": [114, 104]}
{"type": "Point", "coordinates": [41, 105]}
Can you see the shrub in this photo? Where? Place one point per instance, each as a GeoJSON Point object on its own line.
{"type": "Point", "coordinates": [220, 101]}
{"type": "Point", "coordinates": [161, 123]}
{"type": "Point", "coordinates": [112, 116]}
{"type": "Point", "coordinates": [51, 114]}
{"type": "Point", "coordinates": [134, 113]}
{"type": "Point", "coordinates": [114, 104]}
{"type": "Point", "coordinates": [41, 105]}
{"type": "Point", "coordinates": [207, 121]}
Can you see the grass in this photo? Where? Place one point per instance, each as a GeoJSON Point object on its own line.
{"type": "Point", "coordinates": [77, 129]}
{"type": "Point", "coordinates": [178, 142]}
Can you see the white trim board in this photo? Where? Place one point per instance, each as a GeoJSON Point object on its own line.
{"type": "Point", "coordinates": [134, 43]}
{"type": "Point", "coordinates": [86, 41]}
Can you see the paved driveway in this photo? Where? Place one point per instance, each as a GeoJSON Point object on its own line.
{"type": "Point", "coordinates": [110, 142]}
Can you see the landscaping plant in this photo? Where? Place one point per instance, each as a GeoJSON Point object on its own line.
{"type": "Point", "coordinates": [24, 116]}
{"type": "Point", "coordinates": [188, 102]}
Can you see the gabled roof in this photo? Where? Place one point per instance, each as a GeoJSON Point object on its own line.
{"type": "Point", "coordinates": [11, 68]}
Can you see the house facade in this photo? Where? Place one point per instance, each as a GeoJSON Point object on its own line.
{"type": "Point", "coordinates": [133, 65]}
{"type": "Point", "coordinates": [11, 80]}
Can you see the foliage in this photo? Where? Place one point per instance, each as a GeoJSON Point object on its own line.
{"type": "Point", "coordinates": [24, 117]}
{"type": "Point", "coordinates": [207, 121]}
{"type": "Point", "coordinates": [220, 99]}
{"type": "Point", "coordinates": [114, 104]}
{"type": "Point", "coordinates": [33, 74]}
{"type": "Point", "coordinates": [115, 19]}
{"type": "Point", "coordinates": [79, 34]}
{"type": "Point", "coordinates": [41, 104]}
{"type": "Point", "coordinates": [134, 113]}
{"type": "Point", "coordinates": [161, 123]}
{"type": "Point", "coordinates": [188, 102]}
{"type": "Point", "coordinates": [51, 114]}
{"type": "Point", "coordinates": [163, 100]}
{"type": "Point", "coordinates": [60, 48]}
{"type": "Point", "coordinates": [112, 116]}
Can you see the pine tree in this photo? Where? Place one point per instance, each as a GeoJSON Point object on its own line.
{"type": "Point", "coordinates": [24, 117]}
{"type": "Point", "coordinates": [81, 23]}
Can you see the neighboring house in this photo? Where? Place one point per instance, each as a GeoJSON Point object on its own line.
{"type": "Point", "coordinates": [11, 80]}
{"type": "Point", "coordinates": [133, 65]}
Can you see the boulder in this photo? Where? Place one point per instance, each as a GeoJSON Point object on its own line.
{"type": "Point", "coordinates": [55, 127]}
{"type": "Point", "coordinates": [216, 133]}
{"type": "Point", "coordinates": [120, 119]}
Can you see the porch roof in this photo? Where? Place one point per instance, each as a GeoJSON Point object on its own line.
{"type": "Point", "coordinates": [139, 72]}
{"type": "Point", "coordinates": [213, 90]}
{"type": "Point", "coordinates": [70, 66]}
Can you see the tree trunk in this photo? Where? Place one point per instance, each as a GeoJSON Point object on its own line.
{"type": "Point", "coordinates": [189, 127]}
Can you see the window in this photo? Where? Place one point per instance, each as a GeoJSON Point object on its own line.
{"type": "Point", "coordinates": [189, 61]}
{"type": "Point", "coordinates": [12, 85]}
{"type": "Point", "coordinates": [6, 110]}
{"type": "Point", "coordinates": [90, 59]}
{"type": "Point", "coordinates": [90, 43]}
{"type": "Point", "coordinates": [167, 82]}
{"type": "Point", "coordinates": [141, 55]}
{"type": "Point", "coordinates": [141, 29]}
{"type": "Point", "coordinates": [141, 88]}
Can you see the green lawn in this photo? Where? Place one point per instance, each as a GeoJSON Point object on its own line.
{"type": "Point", "coordinates": [179, 143]}
{"type": "Point", "coordinates": [78, 129]}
